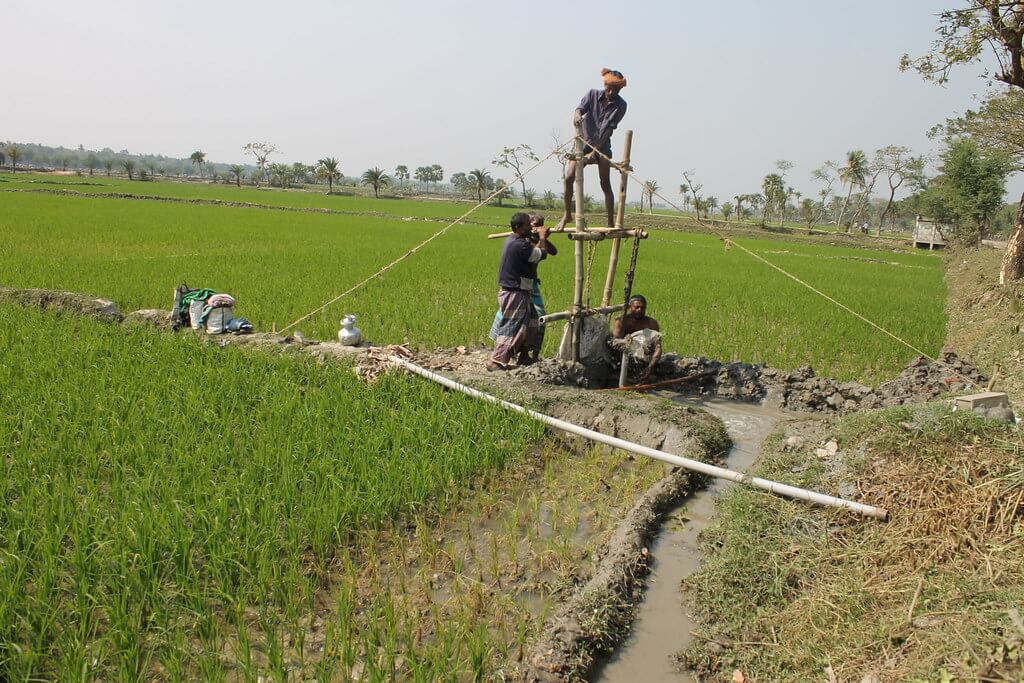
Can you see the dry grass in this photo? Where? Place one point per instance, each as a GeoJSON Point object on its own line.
{"type": "Point", "coordinates": [921, 597]}
{"type": "Point", "coordinates": [985, 319]}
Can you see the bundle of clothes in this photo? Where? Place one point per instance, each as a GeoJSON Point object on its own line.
{"type": "Point", "coordinates": [206, 310]}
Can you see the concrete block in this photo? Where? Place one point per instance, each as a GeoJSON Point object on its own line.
{"type": "Point", "coordinates": [984, 400]}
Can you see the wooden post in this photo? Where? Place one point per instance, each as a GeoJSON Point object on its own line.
{"type": "Point", "coordinates": [620, 221]}
{"type": "Point", "coordinates": [581, 225]}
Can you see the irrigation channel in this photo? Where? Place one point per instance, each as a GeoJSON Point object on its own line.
{"type": "Point", "coordinates": [662, 626]}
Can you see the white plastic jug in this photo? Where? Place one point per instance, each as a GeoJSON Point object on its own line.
{"type": "Point", "coordinates": [349, 334]}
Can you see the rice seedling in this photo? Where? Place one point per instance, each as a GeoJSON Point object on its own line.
{"type": "Point", "coordinates": [190, 484]}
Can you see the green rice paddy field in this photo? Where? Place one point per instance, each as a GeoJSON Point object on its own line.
{"type": "Point", "coordinates": [281, 265]}
{"type": "Point", "coordinates": [168, 508]}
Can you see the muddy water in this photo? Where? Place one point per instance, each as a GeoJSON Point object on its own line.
{"type": "Point", "coordinates": [662, 627]}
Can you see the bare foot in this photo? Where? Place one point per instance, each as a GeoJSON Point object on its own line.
{"type": "Point", "coordinates": [560, 226]}
{"type": "Point", "coordinates": [495, 366]}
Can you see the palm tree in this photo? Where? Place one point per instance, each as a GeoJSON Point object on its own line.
{"type": "Point", "coordinates": [13, 153]}
{"type": "Point", "coordinates": [129, 167]}
{"type": "Point", "coordinates": [402, 173]}
{"type": "Point", "coordinates": [727, 209]}
{"type": "Point", "coordinates": [650, 187]}
{"type": "Point", "coordinates": [198, 158]}
{"type": "Point", "coordinates": [807, 213]}
{"type": "Point", "coordinates": [853, 174]}
{"type": "Point", "coordinates": [774, 194]}
{"type": "Point", "coordinates": [327, 168]}
{"type": "Point", "coordinates": [283, 173]}
{"type": "Point", "coordinates": [237, 170]}
{"type": "Point", "coordinates": [479, 181]}
{"type": "Point", "coordinates": [108, 164]}
{"type": "Point", "coordinates": [377, 178]}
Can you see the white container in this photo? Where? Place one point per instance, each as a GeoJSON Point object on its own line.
{"type": "Point", "coordinates": [349, 334]}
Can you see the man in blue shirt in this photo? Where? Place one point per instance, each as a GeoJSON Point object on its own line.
{"type": "Point", "coordinates": [600, 112]}
{"type": "Point", "coordinates": [517, 330]}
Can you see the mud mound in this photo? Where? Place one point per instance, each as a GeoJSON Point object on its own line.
{"type": "Point", "coordinates": [65, 302]}
{"type": "Point", "coordinates": [553, 371]}
{"type": "Point", "coordinates": [922, 380]}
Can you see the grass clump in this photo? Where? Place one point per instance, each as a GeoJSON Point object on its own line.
{"type": "Point", "coordinates": [787, 591]}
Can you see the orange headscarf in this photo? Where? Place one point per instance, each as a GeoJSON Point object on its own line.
{"type": "Point", "coordinates": [613, 77]}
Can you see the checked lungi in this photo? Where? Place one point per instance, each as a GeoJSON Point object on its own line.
{"type": "Point", "coordinates": [538, 305]}
{"type": "Point", "coordinates": [518, 327]}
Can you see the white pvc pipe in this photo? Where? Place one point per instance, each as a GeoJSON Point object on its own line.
{"type": "Point", "coordinates": [678, 461]}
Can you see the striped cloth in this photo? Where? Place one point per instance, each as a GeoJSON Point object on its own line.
{"type": "Point", "coordinates": [518, 328]}
{"type": "Point", "coordinates": [538, 305]}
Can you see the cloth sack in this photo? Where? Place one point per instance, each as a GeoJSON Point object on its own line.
{"type": "Point", "coordinates": [218, 318]}
{"type": "Point", "coordinates": [195, 313]}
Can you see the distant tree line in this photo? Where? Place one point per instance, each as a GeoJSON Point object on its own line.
{"type": "Point", "coordinates": [32, 156]}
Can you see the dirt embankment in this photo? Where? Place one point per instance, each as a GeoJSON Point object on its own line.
{"type": "Point", "coordinates": [985, 319]}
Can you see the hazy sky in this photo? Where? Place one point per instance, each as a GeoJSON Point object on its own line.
{"type": "Point", "coordinates": [720, 88]}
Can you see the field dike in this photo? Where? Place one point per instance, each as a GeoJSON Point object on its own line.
{"type": "Point", "coordinates": [585, 608]}
{"type": "Point", "coordinates": [238, 205]}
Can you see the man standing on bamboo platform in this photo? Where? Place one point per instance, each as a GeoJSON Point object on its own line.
{"type": "Point", "coordinates": [600, 111]}
{"type": "Point", "coordinates": [517, 330]}
{"type": "Point", "coordinates": [639, 335]}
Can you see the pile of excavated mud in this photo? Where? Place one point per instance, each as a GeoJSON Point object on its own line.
{"type": "Point", "coordinates": [799, 389]}
{"type": "Point", "coordinates": [922, 380]}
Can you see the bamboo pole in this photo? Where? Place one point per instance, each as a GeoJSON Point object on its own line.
{"type": "Point", "coordinates": [624, 369]}
{"type": "Point", "coordinates": [581, 225]}
{"type": "Point", "coordinates": [562, 315]}
{"type": "Point", "coordinates": [620, 220]}
{"type": "Point", "coordinates": [497, 235]}
{"type": "Point", "coordinates": [615, 235]}
{"type": "Point", "coordinates": [670, 458]}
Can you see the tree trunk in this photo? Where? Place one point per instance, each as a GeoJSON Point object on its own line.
{"type": "Point", "coordinates": [842, 211]}
{"type": "Point", "coordinates": [1013, 258]}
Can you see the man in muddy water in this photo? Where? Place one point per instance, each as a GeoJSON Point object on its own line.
{"type": "Point", "coordinates": [644, 335]}
{"type": "Point", "coordinates": [600, 111]}
{"type": "Point", "coordinates": [517, 330]}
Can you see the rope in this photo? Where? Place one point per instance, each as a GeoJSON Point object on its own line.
{"type": "Point", "coordinates": [730, 242]}
{"type": "Point", "coordinates": [424, 242]}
